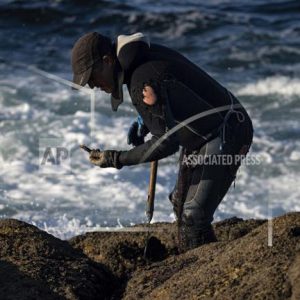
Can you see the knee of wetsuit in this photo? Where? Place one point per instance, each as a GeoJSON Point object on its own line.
{"type": "Point", "coordinates": [170, 197]}
{"type": "Point", "coordinates": [176, 202]}
{"type": "Point", "coordinates": [194, 215]}
{"type": "Point", "coordinates": [173, 196]}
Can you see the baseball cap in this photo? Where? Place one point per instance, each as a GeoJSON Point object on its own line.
{"type": "Point", "coordinates": [86, 52]}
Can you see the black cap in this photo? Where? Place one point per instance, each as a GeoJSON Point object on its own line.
{"type": "Point", "coordinates": [87, 51]}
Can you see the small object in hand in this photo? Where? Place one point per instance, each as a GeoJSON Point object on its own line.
{"type": "Point", "coordinates": [87, 149]}
{"type": "Point", "coordinates": [103, 159]}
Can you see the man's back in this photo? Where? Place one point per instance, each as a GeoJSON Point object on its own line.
{"type": "Point", "coordinates": [189, 91]}
{"type": "Point", "coordinates": [191, 75]}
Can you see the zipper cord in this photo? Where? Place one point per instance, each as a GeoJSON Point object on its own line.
{"type": "Point", "coordinates": [240, 117]}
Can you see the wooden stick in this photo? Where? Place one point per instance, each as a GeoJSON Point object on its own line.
{"type": "Point", "coordinates": [151, 190]}
{"type": "Point", "coordinates": [150, 206]}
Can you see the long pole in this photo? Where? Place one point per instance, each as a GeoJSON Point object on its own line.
{"type": "Point", "coordinates": [150, 202]}
{"type": "Point", "coordinates": [151, 190]}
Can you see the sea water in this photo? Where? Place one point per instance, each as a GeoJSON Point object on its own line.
{"type": "Point", "coordinates": [252, 48]}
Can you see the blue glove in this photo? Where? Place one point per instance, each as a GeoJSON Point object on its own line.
{"type": "Point", "coordinates": [137, 131]}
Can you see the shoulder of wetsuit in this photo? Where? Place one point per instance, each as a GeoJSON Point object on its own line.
{"type": "Point", "coordinates": [151, 73]}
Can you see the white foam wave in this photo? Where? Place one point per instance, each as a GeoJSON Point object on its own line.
{"type": "Point", "coordinates": [281, 85]}
{"type": "Point", "coordinates": [67, 205]}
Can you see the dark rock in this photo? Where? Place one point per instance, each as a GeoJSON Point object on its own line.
{"type": "Point", "coordinates": [154, 250]}
{"type": "Point", "coordinates": [36, 265]}
{"type": "Point", "coordinates": [123, 251]}
{"type": "Point", "coordinates": [294, 276]}
{"type": "Point", "coordinates": [295, 231]}
{"type": "Point", "coordinates": [243, 268]}
{"type": "Point", "coordinates": [111, 265]}
{"type": "Point", "coordinates": [234, 228]}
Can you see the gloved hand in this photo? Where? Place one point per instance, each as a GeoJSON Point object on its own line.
{"type": "Point", "coordinates": [137, 131]}
{"type": "Point", "coordinates": [105, 159]}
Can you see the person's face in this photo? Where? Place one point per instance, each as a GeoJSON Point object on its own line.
{"type": "Point", "coordinates": [102, 75]}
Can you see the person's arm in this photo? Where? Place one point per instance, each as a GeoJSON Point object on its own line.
{"type": "Point", "coordinates": [161, 150]}
{"type": "Point", "coordinates": [140, 154]}
{"type": "Point", "coordinates": [152, 105]}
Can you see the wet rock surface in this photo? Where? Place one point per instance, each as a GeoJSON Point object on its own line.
{"type": "Point", "coordinates": [238, 268]}
{"type": "Point", "coordinates": [111, 265]}
{"type": "Point", "coordinates": [36, 265]}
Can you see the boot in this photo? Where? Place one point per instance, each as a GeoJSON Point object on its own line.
{"type": "Point", "coordinates": [192, 237]}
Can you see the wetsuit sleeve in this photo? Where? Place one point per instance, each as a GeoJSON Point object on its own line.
{"type": "Point", "coordinates": [154, 116]}
{"type": "Point", "coordinates": [153, 149]}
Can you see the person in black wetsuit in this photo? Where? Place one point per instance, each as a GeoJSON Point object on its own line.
{"type": "Point", "coordinates": [182, 107]}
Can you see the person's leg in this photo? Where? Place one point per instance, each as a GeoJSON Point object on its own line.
{"type": "Point", "coordinates": [200, 189]}
{"type": "Point", "coordinates": [178, 194]}
{"type": "Point", "coordinates": [208, 185]}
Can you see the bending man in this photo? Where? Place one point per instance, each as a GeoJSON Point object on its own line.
{"type": "Point", "coordinates": [180, 105]}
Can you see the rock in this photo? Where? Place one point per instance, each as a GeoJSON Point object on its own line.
{"type": "Point", "coordinates": [233, 228]}
{"type": "Point", "coordinates": [36, 265]}
{"type": "Point", "coordinates": [294, 276]}
{"type": "Point", "coordinates": [111, 265]}
{"type": "Point", "coordinates": [122, 251]}
{"type": "Point", "coordinates": [242, 268]}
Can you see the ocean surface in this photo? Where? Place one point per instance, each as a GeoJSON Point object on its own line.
{"type": "Point", "coordinates": [251, 47]}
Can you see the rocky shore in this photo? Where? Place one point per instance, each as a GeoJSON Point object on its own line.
{"type": "Point", "coordinates": [110, 265]}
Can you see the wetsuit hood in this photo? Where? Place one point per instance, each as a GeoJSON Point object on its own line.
{"type": "Point", "coordinates": [131, 51]}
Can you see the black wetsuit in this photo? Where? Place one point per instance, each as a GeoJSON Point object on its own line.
{"type": "Point", "coordinates": [184, 90]}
